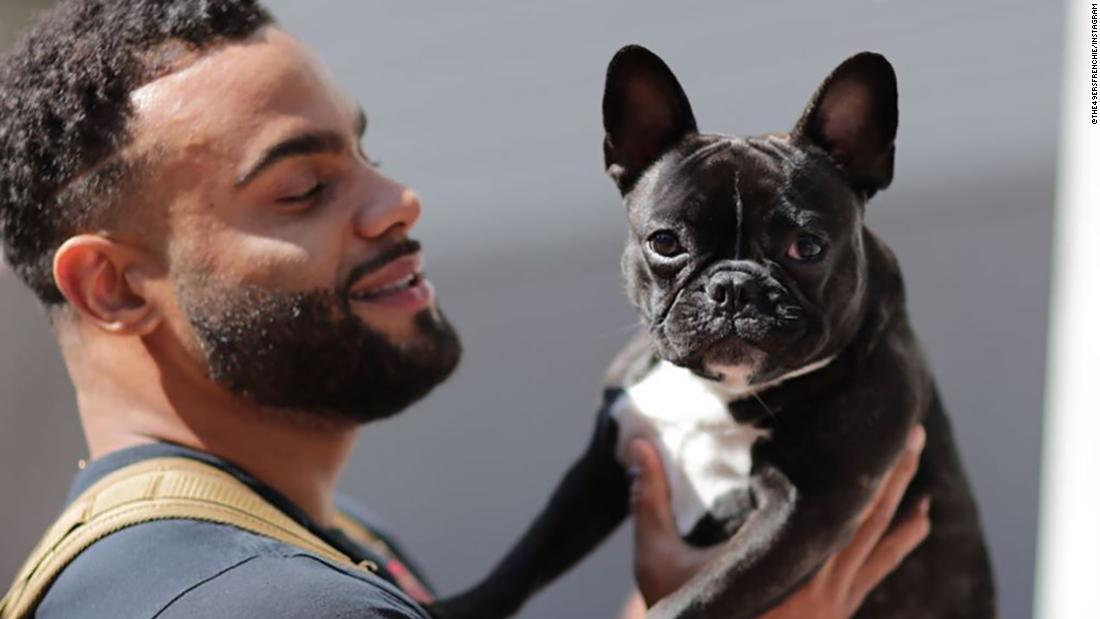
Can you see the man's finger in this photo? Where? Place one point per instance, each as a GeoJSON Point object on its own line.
{"type": "Point", "coordinates": [881, 511]}
{"type": "Point", "coordinates": [914, 445]}
{"type": "Point", "coordinates": [889, 553]}
{"type": "Point", "coordinates": [649, 497]}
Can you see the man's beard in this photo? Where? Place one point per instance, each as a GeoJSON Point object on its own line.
{"type": "Point", "coordinates": [307, 353]}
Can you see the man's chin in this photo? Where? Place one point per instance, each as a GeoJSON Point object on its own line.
{"type": "Point", "coordinates": [309, 351]}
{"type": "Point", "coordinates": [407, 330]}
{"type": "Point", "coordinates": [400, 373]}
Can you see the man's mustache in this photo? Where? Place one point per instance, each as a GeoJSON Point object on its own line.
{"type": "Point", "coordinates": [388, 255]}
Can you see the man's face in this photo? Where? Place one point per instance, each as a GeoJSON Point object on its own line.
{"type": "Point", "coordinates": [291, 278]}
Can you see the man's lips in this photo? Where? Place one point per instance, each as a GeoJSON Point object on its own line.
{"type": "Point", "coordinates": [400, 274]}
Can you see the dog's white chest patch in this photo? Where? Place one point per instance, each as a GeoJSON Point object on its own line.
{"type": "Point", "coordinates": [706, 453]}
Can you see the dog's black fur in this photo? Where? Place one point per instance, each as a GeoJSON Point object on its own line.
{"type": "Point", "coordinates": [751, 253]}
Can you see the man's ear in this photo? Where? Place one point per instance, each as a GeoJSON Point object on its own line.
{"type": "Point", "coordinates": [106, 282]}
{"type": "Point", "coordinates": [853, 116]}
{"type": "Point", "coordinates": [645, 111]}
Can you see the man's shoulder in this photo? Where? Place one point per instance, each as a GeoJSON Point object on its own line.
{"type": "Point", "coordinates": [186, 568]}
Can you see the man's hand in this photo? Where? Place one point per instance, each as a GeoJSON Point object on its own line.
{"type": "Point", "coordinates": [663, 562]}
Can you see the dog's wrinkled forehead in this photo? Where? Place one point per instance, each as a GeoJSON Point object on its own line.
{"type": "Point", "coordinates": [753, 176]}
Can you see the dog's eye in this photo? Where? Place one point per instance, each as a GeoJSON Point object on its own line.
{"type": "Point", "coordinates": [665, 243]}
{"type": "Point", "coordinates": [807, 248]}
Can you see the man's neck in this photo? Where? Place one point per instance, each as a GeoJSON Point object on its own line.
{"type": "Point", "coordinates": [295, 453]}
{"type": "Point", "coordinates": [302, 464]}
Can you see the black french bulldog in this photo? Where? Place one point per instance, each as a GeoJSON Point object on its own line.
{"type": "Point", "coordinates": [779, 375]}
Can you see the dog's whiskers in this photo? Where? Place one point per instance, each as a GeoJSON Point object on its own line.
{"type": "Point", "coordinates": [619, 330]}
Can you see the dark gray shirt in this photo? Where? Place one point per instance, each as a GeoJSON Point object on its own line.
{"type": "Point", "coordinates": [173, 569]}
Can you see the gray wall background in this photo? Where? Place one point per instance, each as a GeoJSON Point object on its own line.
{"type": "Point", "coordinates": [491, 110]}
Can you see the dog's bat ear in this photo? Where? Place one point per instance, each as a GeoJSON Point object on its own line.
{"type": "Point", "coordinates": [645, 111]}
{"type": "Point", "coordinates": [853, 116]}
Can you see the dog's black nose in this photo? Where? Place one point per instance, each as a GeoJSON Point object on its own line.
{"type": "Point", "coordinates": [731, 289]}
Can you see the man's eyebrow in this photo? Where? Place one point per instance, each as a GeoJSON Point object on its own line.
{"type": "Point", "coordinates": [322, 142]}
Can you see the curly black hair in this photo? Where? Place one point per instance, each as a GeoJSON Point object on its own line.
{"type": "Point", "coordinates": [65, 109]}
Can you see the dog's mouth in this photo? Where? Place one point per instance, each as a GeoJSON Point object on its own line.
{"type": "Point", "coordinates": [743, 346]}
{"type": "Point", "coordinates": [728, 345]}
{"type": "Point", "coordinates": [732, 360]}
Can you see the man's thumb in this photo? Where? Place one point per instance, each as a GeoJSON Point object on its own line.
{"type": "Point", "coordinates": [649, 496]}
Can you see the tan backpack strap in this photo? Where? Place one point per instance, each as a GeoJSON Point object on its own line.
{"type": "Point", "coordinates": [407, 580]}
{"type": "Point", "coordinates": [156, 489]}
{"type": "Point", "coordinates": [361, 534]}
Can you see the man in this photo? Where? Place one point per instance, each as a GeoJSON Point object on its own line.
{"type": "Point", "coordinates": [232, 281]}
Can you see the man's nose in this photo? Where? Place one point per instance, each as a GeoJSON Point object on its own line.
{"type": "Point", "coordinates": [392, 205]}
